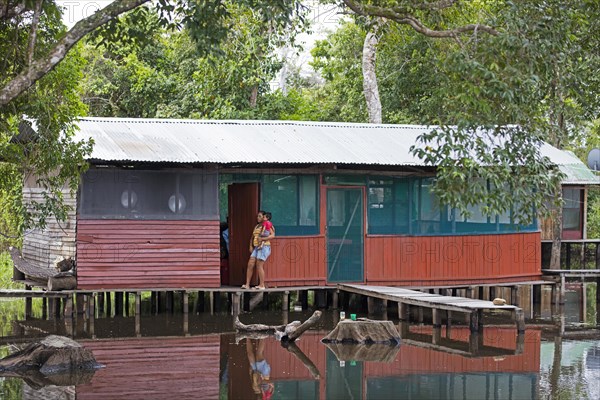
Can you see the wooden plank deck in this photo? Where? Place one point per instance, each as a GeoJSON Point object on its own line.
{"type": "Point", "coordinates": [409, 297]}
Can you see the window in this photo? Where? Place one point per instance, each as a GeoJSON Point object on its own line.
{"type": "Point", "coordinates": [143, 194]}
{"type": "Point", "coordinates": [572, 223]}
{"type": "Point", "coordinates": [407, 206]}
{"type": "Point", "coordinates": [293, 202]}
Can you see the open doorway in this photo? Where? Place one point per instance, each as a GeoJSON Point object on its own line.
{"type": "Point", "coordinates": [243, 199]}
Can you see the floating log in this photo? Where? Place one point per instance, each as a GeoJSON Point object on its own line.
{"type": "Point", "coordinates": [363, 331]}
{"type": "Point", "coordinates": [62, 282]}
{"type": "Point", "coordinates": [285, 333]}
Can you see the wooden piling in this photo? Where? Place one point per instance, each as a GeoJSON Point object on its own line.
{"type": "Point", "coordinates": [561, 298]}
{"type": "Point", "coordinates": [480, 293]}
{"type": "Point", "coordinates": [436, 336]}
{"type": "Point", "coordinates": [474, 321]}
{"type": "Point", "coordinates": [420, 315]}
{"type": "Point", "coordinates": [44, 308]}
{"type": "Point", "coordinates": [520, 319]}
{"type": "Point", "coordinates": [469, 292]}
{"type": "Point", "coordinates": [170, 300]}
{"type": "Point", "coordinates": [492, 292]}
{"type": "Point", "coordinates": [108, 305]}
{"type": "Point", "coordinates": [138, 303]}
{"type": "Point", "coordinates": [285, 304]}
{"type": "Point", "coordinates": [79, 300]}
{"type": "Point", "coordinates": [119, 304]}
{"type": "Point", "coordinates": [303, 299]}
{"type": "Point", "coordinates": [403, 311]}
{"type": "Point", "coordinates": [514, 296]}
{"type": "Point", "coordinates": [199, 303]}
{"type": "Point", "coordinates": [100, 304]}
{"type": "Point", "coordinates": [186, 300]}
{"type": "Point", "coordinates": [436, 317]}
{"type": "Point", "coordinates": [69, 307]}
{"type": "Point", "coordinates": [92, 306]}
{"type": "Point", "coordinates": [335, 299]}
{"type": "Point", "coordinates": [236, 303]}
{"type": "Point", "coordinates": [212, 302]}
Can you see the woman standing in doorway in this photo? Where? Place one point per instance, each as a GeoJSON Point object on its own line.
{"type": "Point", "coordinates": [260, 250]}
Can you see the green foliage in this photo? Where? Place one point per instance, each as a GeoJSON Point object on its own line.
{"type": "Point", "coordinates": [166, 75]}
{"type": "Point", "coordinates": [6, 272]}
{"type": "Point", "coordinates": [49, 157]}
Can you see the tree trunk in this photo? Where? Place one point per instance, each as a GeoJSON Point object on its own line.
{"type": "Point", "coordinates": [370, 87]}
{"type": "Point", "coordinates": [286, 333]}
{"type": "Point", "coordinates": [254, 96]}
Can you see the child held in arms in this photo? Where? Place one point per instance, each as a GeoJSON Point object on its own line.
{"type": "Point", "coordinates": [267, 228]}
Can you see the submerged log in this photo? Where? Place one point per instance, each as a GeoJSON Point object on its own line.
{"type": "Point", "coordinates": [364, 331]}
{"type": "Point", "coordinates": [53, 354]}
{"type": "Point", "coordinates": [62, 282]}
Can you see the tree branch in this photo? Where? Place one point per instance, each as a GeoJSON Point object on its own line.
{"type": "Point", "coordinates": [9, 11]}
{"type": "Point", "coordinates": [33, 32]}
{"type": "Point", "coordinates": [403, 16]}
{"type": "Point", "coordinates": [45, 64]}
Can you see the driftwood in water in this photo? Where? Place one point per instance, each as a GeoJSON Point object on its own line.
{"type": "Point", "coordinates": [55, 360]}
{"type": "Point", "coordinates": [299, 354]}
{"type": "Point", "coordinates": [364, 331]}
{"type": "Point", "coordinates": [62, 282]}
{"type": "Point", "coordinates": [285, 333]}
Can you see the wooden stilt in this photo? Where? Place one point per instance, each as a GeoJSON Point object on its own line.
{"type": "Point", "coordinates": [514, 296]}
{"type": "Point", "coordinates": [448, 319]}
{"type": "Point", "coordinates": [320, 299]}
{"type": "Point", "coordinates": [69, 307]}
{"type": "Point", "coordinates": [285, 304]}
{"type": "Point", "coordinates": [200, 305]}
{"type": "Point", "coordinates": [186, 300]}
{"type": "Point", "coordinates": [403, 329]}
{"type": "Point", "coordinates": [186, 324]}
{"type": "Point", "coordinates": [420, 315]}
{"type": "Point", "coordinates": [138, 325]}
{"type": "Point", "coordinates": [92, 306]}
{"type": "Point", "coordinates": [44, 308]}
{"type": "Point", "coordinates": [561, 299]}
{"type": "Point", "coordinates": [119, 304]}
{"type": "Point", "coordinates": [108, 305]}
{"type": "Point", "coordinates": [79, 300]}
{"type": "Point", "coordinates": [336, 299]}
{"type": "Point", "coordinates": [436, 317]}
{"type": "Point", "coordinates": [100, 305]}
{"type": "Point", "coordinates": [474, 340]}
{"type": "Point", "coordinates": [492, 293]}
{"type": "Point", "coordinates": [480, 294]}
{"type": "Point", "coordinates": [474, 322]}
{"type": "Point", "coordinates": [520, 319]}
{"type": "Point", "coordinates": [436, 336]}
{"type": "Point", "coordinates": [212, 302]}
{"type": "Point", "coordinates": [236, 303]}
{"type": "Point", "coordinates": [403, 311]}
{"type": "Point", "coordinates": [303, 298]}
{"type": "Point", "coordinates": [469, 292]}
{"type": "Point", "coordinates": [169, 301]}
{"type": "Point", "coordinates": [126, 295]}
{"type": "Point", "coordinates": [51, 307]}
{"type": "Point", "coordinates": [138, 303]}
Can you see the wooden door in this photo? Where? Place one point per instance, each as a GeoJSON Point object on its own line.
{"type": "Point", "coordinates": [243, 207]}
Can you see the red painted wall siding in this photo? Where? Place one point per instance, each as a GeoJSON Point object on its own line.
{"type": "Point", "coordinates": [417, 360]}
{"type": "Point", "coordinates": [450, 260]}
{"type": "Point", "coordinates": [147, 254]}
{"type": "Point", "coordinates": [296, 261]}
{"type": "Point", "coordinates": [154, 368]}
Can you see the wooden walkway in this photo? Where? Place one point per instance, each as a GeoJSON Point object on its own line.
{"type": "Point", "coordinates": [436, 302]}
{"type": "Point", "coordinates": [560, 276]}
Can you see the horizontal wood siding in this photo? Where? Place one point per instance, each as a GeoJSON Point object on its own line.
{"type": "Point", "coordinates": [154, 368]}
{"type": "Point", "coordinates": [418, 360]}
{"type": "Point", "coordinates": [452, 260]}
{"type": "Point", "coordinates": [296, 261]}
{"type": "Point", "coordinates": [147, 254]}
{"type": "Point", "coordinates": [42, 247]}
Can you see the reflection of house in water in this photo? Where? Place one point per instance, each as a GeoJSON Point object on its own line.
{"type": "Point", "coordinates": [215, 366]}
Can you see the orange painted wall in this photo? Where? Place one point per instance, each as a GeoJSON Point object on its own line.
{"type": "Point", "coordinates": [449, 260]}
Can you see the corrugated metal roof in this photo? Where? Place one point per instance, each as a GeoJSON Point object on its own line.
{"type": "Point", "coordinates": [284, 142]}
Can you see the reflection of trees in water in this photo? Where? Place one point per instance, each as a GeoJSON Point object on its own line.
{"type": "Point", "coordinates": [578, 380]}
